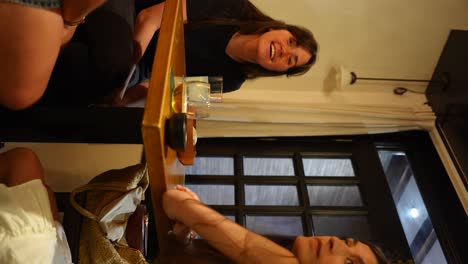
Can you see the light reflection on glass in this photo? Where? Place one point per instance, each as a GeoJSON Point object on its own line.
{"type": "Point", "coordinates": [412, 211]}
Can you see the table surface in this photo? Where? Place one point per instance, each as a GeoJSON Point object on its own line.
{"type": "Point", "coordinates": [164, 168]}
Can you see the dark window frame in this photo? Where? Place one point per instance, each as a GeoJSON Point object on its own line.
{"type": "Point", "coordinates": [416, 144]}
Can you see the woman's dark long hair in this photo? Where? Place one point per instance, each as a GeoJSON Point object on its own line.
{"type": "Point", "coordinates": [255, 21]}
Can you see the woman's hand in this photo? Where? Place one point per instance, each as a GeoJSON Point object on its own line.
{"type": "Point", "coordinates": [132, 94]}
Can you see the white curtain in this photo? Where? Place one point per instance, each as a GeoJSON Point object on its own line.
{"type": "Point", "coordinates": [246, 118]}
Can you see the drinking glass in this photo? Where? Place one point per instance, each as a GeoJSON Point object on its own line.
{"type": "Point", "coordinates": [201, 92]}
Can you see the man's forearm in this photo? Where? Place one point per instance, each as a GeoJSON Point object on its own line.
{"type": "Point", "coordinates": [231, 239]}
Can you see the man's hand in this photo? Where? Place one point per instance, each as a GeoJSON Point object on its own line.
{"type": "Point", "coordinates": [182, 232]}
{"type": "Point", "coordinates": [188, 191]}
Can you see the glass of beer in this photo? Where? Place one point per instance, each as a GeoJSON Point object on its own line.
{"type": "Point", "coordinates": [198, 99]}
{"type": "Point", "coordinates": [193, 95]}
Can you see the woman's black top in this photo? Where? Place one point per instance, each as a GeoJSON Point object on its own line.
{"type": "Point", "coordinates": [204, 45]}
{"type": "Point", "coordinates": [98, 59]}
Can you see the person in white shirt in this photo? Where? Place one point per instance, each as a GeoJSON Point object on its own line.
{"type": "Point", "coordinates": [30, 231]}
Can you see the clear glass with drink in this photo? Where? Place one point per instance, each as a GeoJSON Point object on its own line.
{"type": "Point", "coordinates": [199, 92]}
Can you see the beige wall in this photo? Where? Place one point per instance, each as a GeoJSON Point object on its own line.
{"type": "Point", "coordinates": [372, 37]}
{"type": "Point", "coordinates": [68, 165]}
{"type": "Point", "coordinates": [395, 39]}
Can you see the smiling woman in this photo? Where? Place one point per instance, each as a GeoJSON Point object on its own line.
{"type": "Point", "coordinates": [229, 38]}
{"type": "Point", "coordinates": [233, 39]}
{"type": "Point", "coordinates": [258, 40]}
{"type": "Point", "coordinates": [275, 50]}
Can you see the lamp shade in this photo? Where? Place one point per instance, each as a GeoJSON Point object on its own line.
{"type": "Point", "coordinates": [344, 77]}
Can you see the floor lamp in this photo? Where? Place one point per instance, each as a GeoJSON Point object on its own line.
{"type": "Point", "coordinates": [350, 78]}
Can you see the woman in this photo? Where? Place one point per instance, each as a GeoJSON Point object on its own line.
{"type": "Point", "coordinates": [31, 35]}
{"type": "Point", "coordinates": [30, 230]}
{"type": "Point", "coordinates": [243, 246]}
{"type": "Point", "coordinates": [229, 38]}
{"type": "Point", "coordinates": [221, 38]}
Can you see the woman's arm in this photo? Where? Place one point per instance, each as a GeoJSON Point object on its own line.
{"type": "Point", "coordinates": [147, 23]}
{"type": "Point", "coordinates": [232, 240]}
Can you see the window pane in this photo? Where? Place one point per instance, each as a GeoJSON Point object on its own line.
{"type": "Point", "coordinates": [435, 255]}
{"type": "Point", "coordinates": [354, 226]}
{"type": "Point", "coordinates": [231, 217]}
{"type": "Point", "coordinates": [211, 166]}
{"type": "Point", "coordinates": [320, 195]}
{"type": "Point", "coordinates": [275, 225]}
{"type": "Point", "coordinates": [271, 195]}
{"type": "Point", "coordinates": [214, 194]}
{"type": "Point", "coordinates": [324, 167]}
{"type": "Point", "coordinates": [268, 167]}
{"type": "Point", "coordinates": [412, 212]}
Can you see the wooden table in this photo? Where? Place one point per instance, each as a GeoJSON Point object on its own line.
{"type": "Point", "coordinates": [165, 170]}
